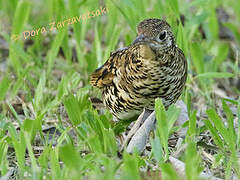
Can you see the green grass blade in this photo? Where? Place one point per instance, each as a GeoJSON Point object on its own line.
{"type": "Point", "coordinates": [197, 56]}
{"type": "Point", "coordinates": [4, 86]}
{"type": "Point", "coordinates": [130, 167]}
{"type": "Point", "coordinates": [19, 145]}
{"type": "Point", "coordinates": [52, 53]}
{"type": "Point", "coordinates": [191, 133]}
{"type": "Point", "coordinates": [162, 124]}
{"type": "Point", "coordinates": [39, 93]}
{"type": "Point", "coordinates": [20, 18]}
{"type": "Point", "coordinates": [73, 108]}
{"type": "Point", "coordinates": [215, 75]}
{"type": "Point", "coordinates": [216, 138]}
{"type": "Point", "coordinates": [216, 120]}
{"type": "Point", "coordinates": [168, 172]}
{"type": "Point", "coordinates": [192, 162]}
{"type": "Point", "coordinates": [230, 122]}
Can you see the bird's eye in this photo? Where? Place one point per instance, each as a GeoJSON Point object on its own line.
{"type": "Point", "coordinates": [162, 36]}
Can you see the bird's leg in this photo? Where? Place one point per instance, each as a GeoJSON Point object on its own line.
{"type": "Point", "coordinates": [139, 124]}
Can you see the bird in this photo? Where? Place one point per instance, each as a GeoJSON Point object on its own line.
{"type": "Point", "coordinates": [151, 67]}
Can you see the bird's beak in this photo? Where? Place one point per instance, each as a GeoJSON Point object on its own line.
{"type": "Point", "coordinates": [140, 38]}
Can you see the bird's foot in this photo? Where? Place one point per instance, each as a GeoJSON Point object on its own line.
{"type": "Point", "coordinates": [139, 133]}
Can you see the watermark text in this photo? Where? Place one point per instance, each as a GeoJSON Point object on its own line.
{"type": "Point", "coordinates": [52, 26]}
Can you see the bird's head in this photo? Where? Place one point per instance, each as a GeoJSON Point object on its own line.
{"type": "Point", "coordinates": [156, 33]}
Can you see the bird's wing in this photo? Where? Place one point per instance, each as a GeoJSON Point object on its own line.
{"type": "Point", "coordinates": [103, 76]}
{"type": "Point", "coordinates": [118, 61]}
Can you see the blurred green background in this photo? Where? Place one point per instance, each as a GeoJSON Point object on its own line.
{"type": "Point", "coordinates": [44, 86]}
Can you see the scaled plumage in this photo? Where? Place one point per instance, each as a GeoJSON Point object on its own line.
{"type": "Point", "coordinates": [151, 67]}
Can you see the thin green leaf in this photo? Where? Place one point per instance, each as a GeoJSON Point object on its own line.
{"type": "Point", "coordinates": [52, 53]}
{"type": "Point", "coordinates": [216, 120]}
{"type": "Point", "coordinates": [162, 124]}
{"type": "Point", "coordinates": [168, 172]}
{"type": "Point", "coordinates": [73, 108]}
{"type": "Point", "coordinates": [215, 136]}
{"type": "Point", "coordinates": [192, 125]}
{"type": "Point", "coordinates": [215, 75]}
{"type": "Point", "coordinates": [4, 86]}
